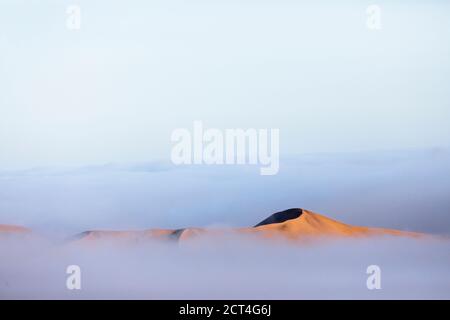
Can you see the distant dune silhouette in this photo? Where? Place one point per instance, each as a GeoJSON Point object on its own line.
{"type": "Point", "coordinates": [11, 229]}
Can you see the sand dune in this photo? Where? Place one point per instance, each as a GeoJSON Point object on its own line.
{"type": "Point", "coordinates": [140, 236]}
{"type": "Point", "coordinates": [132, 236]}
{"type": "Point", "coordinates": [300, 223]}
{"type": "Point", "coordinates": [292, 224]}
{"type": "Point", "coordinates": [6, 229]}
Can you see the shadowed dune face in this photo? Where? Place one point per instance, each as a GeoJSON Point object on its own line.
{"type": "Point", "coordinates": [282, 216]}
{"type": "Point", "coordinates": [291, 224]}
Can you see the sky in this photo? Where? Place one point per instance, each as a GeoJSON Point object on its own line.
{"type": "Point", "coordinates": [114, 90]}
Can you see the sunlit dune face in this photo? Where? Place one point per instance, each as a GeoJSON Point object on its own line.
{"type": "Point", "coordinates": [190, 233]}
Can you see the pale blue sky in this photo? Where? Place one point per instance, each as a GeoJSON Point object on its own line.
{"type": "Point", "coordinates": [115, 90]}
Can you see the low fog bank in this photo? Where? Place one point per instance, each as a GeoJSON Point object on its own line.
{"type": "Point", "coordinates": [407, 190]}
{"type": "Point", "coordinates": [238, 268]}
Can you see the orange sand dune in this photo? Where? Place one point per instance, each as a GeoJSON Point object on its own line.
{"type": "Point", "coordinates": [293, 224]}
{"type": "Point", "coordinates": [304, 224]}
{"type": "Point", "coordinates": [140, 235]}
{"type": "Point", "coordinates": [11, 229]}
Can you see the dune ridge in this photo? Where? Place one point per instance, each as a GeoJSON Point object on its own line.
{"type": "Point", "coordinates": [293, 224]}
